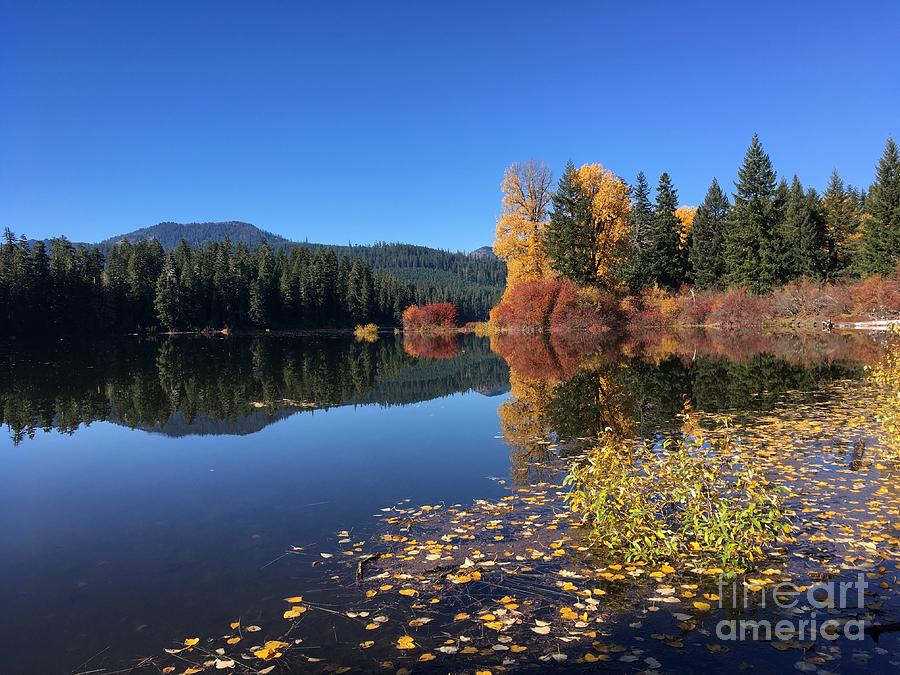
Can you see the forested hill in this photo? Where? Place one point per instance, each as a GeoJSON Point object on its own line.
{"type": "Point", "coordinates": [210, 278]}
{"type": "Point", "coordinates": [424, 264]}
{"type": "Point", "coordinates": [169, 235]}
{"type": "Point", "coordinates": [416, 264]}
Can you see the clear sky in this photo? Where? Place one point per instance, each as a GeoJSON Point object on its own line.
{"type": "Point", "coordinates": [339, 121]}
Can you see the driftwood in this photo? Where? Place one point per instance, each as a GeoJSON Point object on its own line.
{"type": "Point", "coordinates": [363, 562]}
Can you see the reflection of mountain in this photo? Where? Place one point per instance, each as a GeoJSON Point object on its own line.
{"type": "Point", "coordinates": [204, 425]}
{"type": "Point", "coordinates": [236, 385]}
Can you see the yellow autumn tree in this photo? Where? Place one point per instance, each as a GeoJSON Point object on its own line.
{"type": "Point", "coordinates": [589, 228]}
{"type": "Point", "coordinates": [685, 215]}
{"type": "Point", "coordinates": [527, 191]}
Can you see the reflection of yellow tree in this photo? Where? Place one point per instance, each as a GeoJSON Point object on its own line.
{"type": "Point", "coordinates": [524, 423]}
{"type": "Point", "coordinates": [597, 402]}
{"type": "Point", "coordinates": [887, 374]}
{"type": "Point", "coordinates": [549, 401]}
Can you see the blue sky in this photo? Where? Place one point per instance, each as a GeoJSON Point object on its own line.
{"type": "Point", "coordinates": [394, 121]}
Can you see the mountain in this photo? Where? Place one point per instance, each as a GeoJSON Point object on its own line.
{"type": "Point", "coordinates": [198, 234]}
{"type": "Point", "coordinates": [483, 252]}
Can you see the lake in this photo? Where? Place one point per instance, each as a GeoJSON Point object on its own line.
{"type": "Point", "coordinates": [157, 490]}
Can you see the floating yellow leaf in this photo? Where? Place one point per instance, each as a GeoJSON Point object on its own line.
{"type": "Point", "coordinates": [427, 656]}
{"type": "Point", "coordinates": [190, 642]}
{"type": "Point", "coordinates": [293, 600]}
{"type": "Point", "coordinates": [409, 592]}
{"type": "Point", "coordinates": [270, 650]}
{"type": "Point", "coordinates": [405, 642]}
{"type": "Point", "coordinates": [702, 606]}
{"type": "Point", "coordinates": [294, 612]}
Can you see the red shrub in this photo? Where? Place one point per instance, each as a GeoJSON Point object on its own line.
{"type": "Point", "coordinates": [436, 316]}
{"type": "Point", "coordinates": [577, 310]}
{"type": "Point", "coordinates": [555, 305]}
{"type": "Point", "coordinates": [694, 308]}
{"type": "Point", "coordinates": [736, 308]}
{"type": "Point", "coordinates": [527, 305]}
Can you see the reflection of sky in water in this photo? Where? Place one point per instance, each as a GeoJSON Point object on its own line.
{"type": "Point", "coordinates": [110, 528]}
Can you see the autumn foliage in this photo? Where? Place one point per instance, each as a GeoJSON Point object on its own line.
{"type": "Point", "coordinates": [527, 189]}
{"type": "Point", "coordinates": [431, 345]}
{"type": "Point", "coordinates": [436, 317]}
{"type": "Point", "coordinates": [553, 305]}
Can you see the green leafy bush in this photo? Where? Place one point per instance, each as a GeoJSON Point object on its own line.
{"type": "Point", "coordinates": [687, 496]}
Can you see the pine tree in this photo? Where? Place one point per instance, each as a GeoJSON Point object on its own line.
{"type": "Point", "coordinates": [804, 233]}
{"type": "Point", "coordinates": [662, 259]}
{"type": "Point", "coordinates": [167, 302]}
{"type": "Point", "coordinates": [262, 288]}
{"type": "Point", "coordinates": [568, 234]}
{"type": "Point", "coordinates": [841, 218]}
{"type": "Point", "coordinates": [707, 251]}
{"type": "Point", "coordinates": [641, 221]}
{"type": "Point", "coordinates": [641, 212]}
{"type": "Point", "coordinates": [752, 237]}
{"type": "Point", "coordinates": [880, 250]}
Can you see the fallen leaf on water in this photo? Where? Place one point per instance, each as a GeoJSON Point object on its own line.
{"type": "Point", "coordinates": [294, 612]}
{"type": "Point", "coordinates": [405, 642]}
{"type": "Point", "coordinates": [270, 650]}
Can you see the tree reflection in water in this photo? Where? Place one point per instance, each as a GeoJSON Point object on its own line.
{"type": "Point", "coordinates": [567, 389]}
{"type": "Point", "coordinates": [228, 385]}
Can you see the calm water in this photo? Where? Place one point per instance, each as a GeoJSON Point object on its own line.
{"type": "Point", "coordinates": [151, 490]}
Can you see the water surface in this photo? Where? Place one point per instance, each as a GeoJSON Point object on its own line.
{"type": "Point", "coordinates": [154, 489]}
